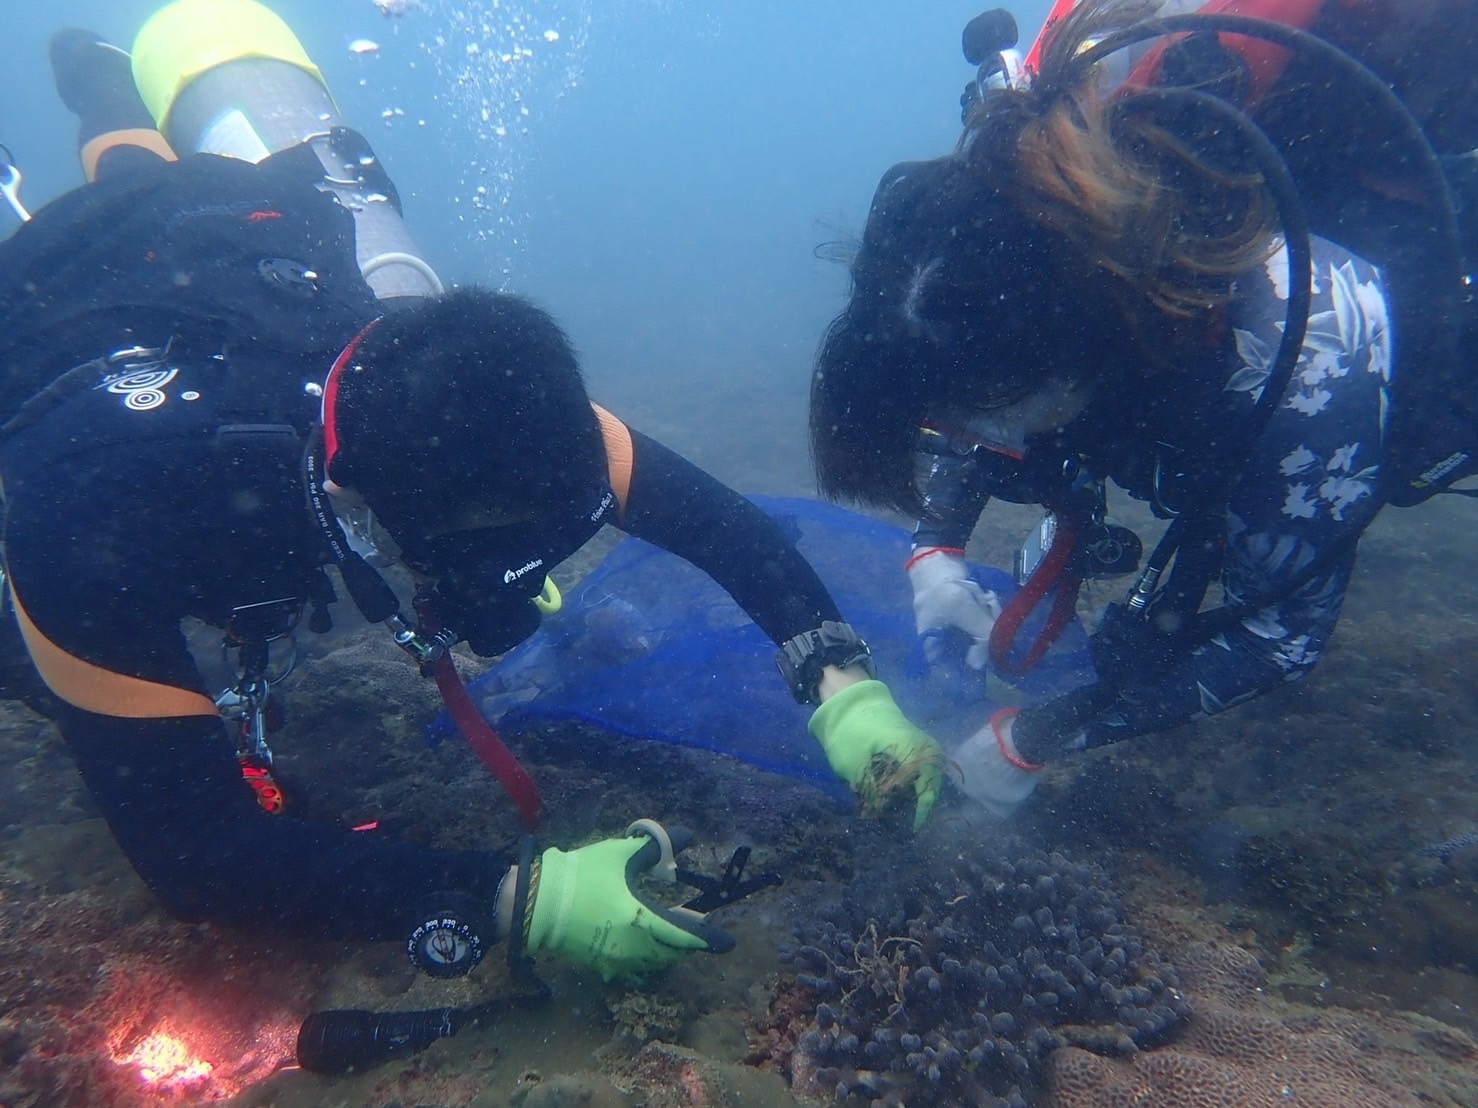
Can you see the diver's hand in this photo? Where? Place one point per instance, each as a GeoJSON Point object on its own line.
{"type": "Point", "coordinates": [586, 909]}
{"type": "Point", "coordinates": [873, 747]}
{"type": "Point", "coordinates": [944, 597]}
{"type": "Point", "coordinates": [992, 772]}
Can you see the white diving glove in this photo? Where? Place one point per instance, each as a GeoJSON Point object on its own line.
{"type": "Point", "coordinates": [945, 598]}
{"type": "Point", "coordinates": [995, 776]}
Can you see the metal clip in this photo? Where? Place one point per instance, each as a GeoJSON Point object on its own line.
{"type": "Point", "coordinates": [1144, 589]}
{"type": "Point", "coordinates": [246, 703]}
{"type": "Point", "coordinates": [423, 648]}
{"type": "Point", "coordinates": [10, 184]}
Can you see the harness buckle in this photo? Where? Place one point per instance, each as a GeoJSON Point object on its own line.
{"type": "Point", "coordinates": [423, 648]}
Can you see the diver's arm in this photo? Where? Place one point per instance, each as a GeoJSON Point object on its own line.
{"type": "Point", "coordinates": [1281, 643]}
{"type": "Point", "coordinates": [952, 612]}
{"type": "Point", "coordinates": [172, 793]}
{"type": "Point", "coordinates": [675, 505]}
{"type": "Point", "coordinates": [1307, 492]}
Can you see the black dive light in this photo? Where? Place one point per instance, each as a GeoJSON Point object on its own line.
{"type": "Point", "coordinates": [343, 1040]}
{"type": "Point", "coordinates": [987, 35]}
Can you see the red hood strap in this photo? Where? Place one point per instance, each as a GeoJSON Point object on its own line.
{"type": "Point", "coordinates": [484, 741]}
{"type": "Point", "coordinates": [331, 393]}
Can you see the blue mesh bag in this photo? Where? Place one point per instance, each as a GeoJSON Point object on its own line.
{"type": "Point", "coordinates": [649, 647]}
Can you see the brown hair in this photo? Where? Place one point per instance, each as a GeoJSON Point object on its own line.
{"type": "Point", "coordinates": [1116, 181]}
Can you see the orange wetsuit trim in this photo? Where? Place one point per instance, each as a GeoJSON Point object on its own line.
{"type": "Point", "coordinates": [619, 454]}
{"type": "Point", "coordinates": [145, 137]}
{"type": "Point", "coordinates": [95, 689]}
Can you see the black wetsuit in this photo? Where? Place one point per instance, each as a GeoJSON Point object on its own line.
{"type": "Point", "coordinates": [168, 483]}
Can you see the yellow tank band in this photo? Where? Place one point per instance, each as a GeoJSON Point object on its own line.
{"type": "Point", "coordinates": [189, 37]}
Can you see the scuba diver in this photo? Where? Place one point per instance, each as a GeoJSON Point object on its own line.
{"type": "Point", "coordinates": [1233, 281]}
{"type": "Point", "coordinates": [204, 356]}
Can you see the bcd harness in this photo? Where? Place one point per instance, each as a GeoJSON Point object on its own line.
{"type": "Point", "coordinates": [249, 630]}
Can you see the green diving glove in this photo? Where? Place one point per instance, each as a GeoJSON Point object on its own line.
{"type": "Point", "coordinates": [586, 907]}
{"type": "Point", "coordinates": [873, 747]}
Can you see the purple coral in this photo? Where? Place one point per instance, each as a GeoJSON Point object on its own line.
{"type": "Point", "coordinates": [954, 995]}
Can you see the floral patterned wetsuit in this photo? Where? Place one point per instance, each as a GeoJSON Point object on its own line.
{"type": "Point", "coordinates": [1308, 484]}
{"type": "Point", "coordinates": [1308, 487]}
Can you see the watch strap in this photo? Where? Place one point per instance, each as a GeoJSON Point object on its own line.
{"type": "Point", "coordinates": [802, 658]}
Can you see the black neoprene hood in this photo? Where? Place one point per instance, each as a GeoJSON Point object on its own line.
{"type": "Point", "coordinates": [473, 400]}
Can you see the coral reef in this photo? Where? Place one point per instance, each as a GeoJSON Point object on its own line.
{"type": "Point", "coordinates": [1237, 1054]}
{"type": "Point", "coordinates": [956, 993]}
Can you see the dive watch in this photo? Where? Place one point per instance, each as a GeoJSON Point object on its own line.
{"type": "Point", "coordinates": [802, 658]}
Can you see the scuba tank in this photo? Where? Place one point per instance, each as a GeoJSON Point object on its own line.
{"type": "Point", "coordinates": [229, 77]}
